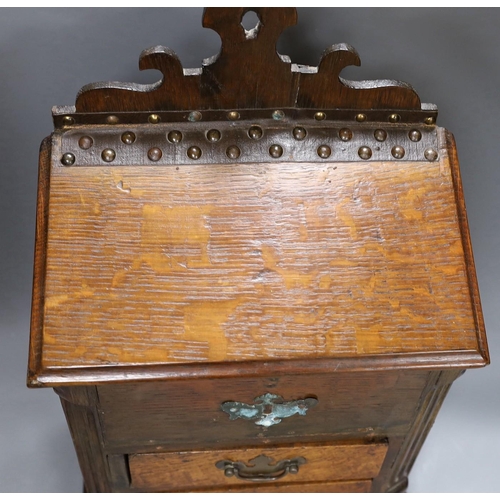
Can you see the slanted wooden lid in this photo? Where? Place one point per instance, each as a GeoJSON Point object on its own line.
{"type": "Point", "coordinates": [184, 232]}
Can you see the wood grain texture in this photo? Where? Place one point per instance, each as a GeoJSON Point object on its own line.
{"type": "Point", "coordinates": [83, 423]}
{"type": "Point", "coordinates": [234, 263]}
{"type": "Point", "coordinates": [115, 374]}
{"type": "Point", "coordinates": [119, 472]}
{"type": "Point", "coordinates": [39, 268]}
{"type": "Point", "coordinates": [179, 415]}
{"type": "Point", "coordinates": [192, 469]}
{"type": "Point", "coordinates": [467, 246]}
{"type": "Point", "coordinates": [247, 73]}
{"type": "Point", "coordinates": [395, 478]}
{"type": "Point", "coordinates": [323, 487]}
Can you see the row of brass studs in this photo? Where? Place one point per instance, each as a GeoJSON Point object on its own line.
{"type": "Point", "coordinates": [196, 116]}
{"type": "Point", "coordinates": [233, 152]}
{"type": "Point", "coordinates": [255, 132]}
{"type": "Point", "coordinates": [194, 152]}
{"type": "Point", "coordinates": [398, 152]}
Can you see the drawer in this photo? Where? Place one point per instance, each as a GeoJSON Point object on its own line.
{"type": "Point", "coordinates": [323, 487]}
{"type": "Point", "coordinates": [288, 465]}
{"type": "Point", "coordinates": [187, 414]}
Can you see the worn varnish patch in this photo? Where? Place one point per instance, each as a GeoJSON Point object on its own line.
{"type": "Point", "coordinates": [253, 262]}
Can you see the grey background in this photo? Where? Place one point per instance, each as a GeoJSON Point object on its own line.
{"type": "Point", "coordinates": [450, 56]}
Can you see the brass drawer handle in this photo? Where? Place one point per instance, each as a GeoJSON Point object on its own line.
{"type": "Point", "coordinates": [269, 409]}
{"type": "Point", "coordinates": [260, 468]}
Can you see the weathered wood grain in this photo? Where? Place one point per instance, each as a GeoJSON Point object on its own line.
{"type": "Point", "coordinates": [191, 469]}
{"type": "Point", "coordinates": [254, 262]}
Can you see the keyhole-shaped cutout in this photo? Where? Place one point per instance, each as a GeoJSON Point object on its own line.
{"type": "Point", "coordinates": [251, 24]}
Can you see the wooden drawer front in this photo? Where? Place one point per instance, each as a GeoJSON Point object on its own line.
{"type": "Point", "coordinates": [323, 487]}
{"type": "Point", "coordinates": [187, 414]}
{"type": "Point", "coordinates": [198, 469]}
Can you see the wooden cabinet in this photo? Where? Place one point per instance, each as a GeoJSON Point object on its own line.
{"type": "Point", "coordinates": [243, 286]}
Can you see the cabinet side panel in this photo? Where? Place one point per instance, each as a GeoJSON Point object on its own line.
{"type": "Point", "coordinates": [84, 427]}
{"type": "Point", "coordinates": [39, 268]}
{"type": "Point", "coordinates": [467, 246]}
{"type": "Point", "coordinates": [394, 476]}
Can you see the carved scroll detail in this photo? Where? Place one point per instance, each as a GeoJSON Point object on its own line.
{"type": "Point", "coordinates": [247, 73]}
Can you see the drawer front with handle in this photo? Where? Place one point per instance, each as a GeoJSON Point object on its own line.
{"type": "Point", "coordinates": [218, 468]}
{"type": "Point", "coordinates": [240, 412]}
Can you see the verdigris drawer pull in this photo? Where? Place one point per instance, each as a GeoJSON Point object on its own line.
{"type": "Point", "coordinates": [269, 409]}
{"type": "Point", "coordinates": [261, 468]}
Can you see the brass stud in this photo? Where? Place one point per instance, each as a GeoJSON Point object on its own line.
{"type": "Point", "coordinates": [85, 142]}
{"type": "Point", "coordinates": [213, 135]}
{"type": "Point", "coordinates": [128, 138]}
{"type": "Point", "coordinates": [108, 155]}
{"type": "Point", "coordinates": [398, 152]}
{"type": "Point", "coordinates": [233, 115]}
{"type": "Point", "coordinates": [278, 114]}
{"type": "Point", "coordinates": [194, 116]}
{"type": "Point", "coordinates": [345, 134]}
{"type": "Point", "coordinates": [324, 151]}
{"type": "Point", "coordinates": [68, 120]}
{"type": "Point", "coordinates": [320, 116]}
{"type": "Point", "coordinates": [360, 117]}
{"type": "Point", "coordinates": [299, 133]}
{"type": "Point", "coordinates": [154, 154]}
{"type": "Point", "coordinates": [414, 135]}
{"type": "Point", "coordinates": [255, 132]}
{"type": "Point", "coordinates": [154, 118]}
{"type": "Point", "coordinates": [112, 119]}
{"type": "Point", "coordinates": [365, 153]}
{"type": "Point", "coordinates": [431, 154]}
{"type": "Point", "coordinates": [394, 118]}
{"type": "Point", "coordinates": [429, 120]}
{"type": "Point", "coordinates": [275, 150]}
{"type": "Point", "coordinates": [194, 152]}
{"type": "Point", "coordinates": [380, 135]}
{"type": "Point", "coordinates": [233, 152]}
{"type": "Point", "coordinates": [68, 159]}
{"type": "Point", "coordinates": [174, 136]}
